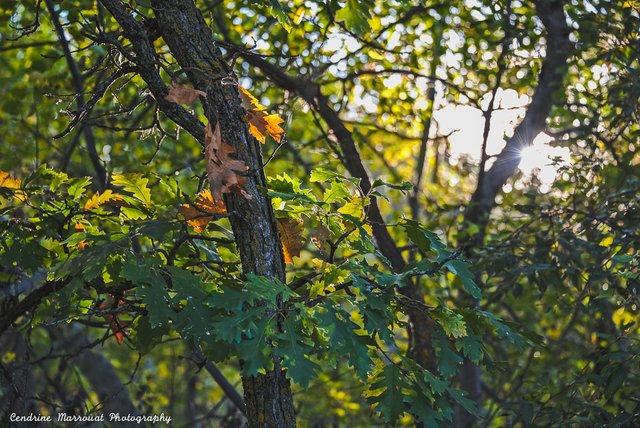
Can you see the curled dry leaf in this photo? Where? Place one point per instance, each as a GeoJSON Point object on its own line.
{"type": "Point", "coordinates": [196, 214]}
{"type": "Point", "coordinates": [290, 234]}
{"type": "Point", "coordinates": [260, 123]}
{"type": "Point", "coordinates": [183, 94]}
{"type": "Point", "coordinates": [222, 170]}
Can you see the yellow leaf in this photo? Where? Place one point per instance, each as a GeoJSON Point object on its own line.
{"type": "Point", "coordinates": [9, 182]}
{"type": "Point", "coordinates": [290, 231]}
{"type": "Point", "coordinates": [260, 123]}
{"type": "Point", "coordinates": [354, 208]}
{"type": "Point", "coordinates": [100, 199]}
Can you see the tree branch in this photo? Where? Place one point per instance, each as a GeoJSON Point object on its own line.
{"type": "Point", "coordinates": [145, 60]}
{"type": "Point", "coordinates": [78, 82]}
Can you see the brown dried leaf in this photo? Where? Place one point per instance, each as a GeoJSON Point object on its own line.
{"type": "Point", "coordinates": [290, 234]}
{"type": "Point", "coordinates": [222, 170]}
{"type": "Point", "coordinates": [260, 123]}
{"type": "Point", "coordinates": [183, 94]}
{"type": "Point", "coordinates": [196, 214]}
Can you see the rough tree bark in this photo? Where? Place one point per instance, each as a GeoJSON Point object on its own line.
{"type": "Point", "coordinates": [268, 398]}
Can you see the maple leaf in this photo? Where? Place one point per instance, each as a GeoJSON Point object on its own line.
{"type": "Point", "coordinates": [183, 94]}
{"type": "Point", "coordinates": [196, 214]}
{"type": "Point", "coordinates": [290, 231]}
{"type": "Point", "coordinates": [260, 123]}
{"type": "Point", "coordinates": [222, 170]}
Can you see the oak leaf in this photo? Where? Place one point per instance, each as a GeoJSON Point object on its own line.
{"type": "Point", "coordinates": [290, 234]}
{"type": "Point", "coordinates": [222, 170]}
{"type": "Point", "coordinates": [196, 213]}
{"type": "Point", "coordinates": [260, 123]}
{"type": "Point", "coordinates": [103, 198]}
{"type": "Point", "coordinates": [8, 182]}
{"type": "Point", "coordinates": [183, 94]}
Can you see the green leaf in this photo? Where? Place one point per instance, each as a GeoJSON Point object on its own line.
{"type": "Point", "coordinates": [233, 326]}
{"type": "Point", "coordinates": [471, 347]}
{"type": "Point", "coordinates": [341, 333]}
{"type": "Point", "coordinates": [187, 285]}
{"type": "Point", "coordinates": [452, 323]}
{"type": "Point", "coordinates": [376, 320]}
{"type": "Point", "coordinates": [355, 14]}
{"type": "Point", "coordinates": [425, 240]}
{"type": "Point", "coordinates": [420, 407]}
{"type": "Point", "coordinates": [278, 12]}
{"type": "Point", "coordinates": [194, 321]}
{"type": "Point", "coordinates": [255, 353]}
{"type": "Point", "coordinates": [294, 349]}
{"type": "Point", "coordinates": [135, 184]}
{"type": "Point", "coordinates": [404, 186]}
{"type": "Point", "coordinates": [390, 402]}
{"type": "Point", "coordinates": [321, 175]}
{"type": "Point", "coordinates": [503, 329]}
{"type": "Point", "coordinates": [132, 213]}
{"type": "Point", "coordinates": [77, 187]}
{"type": "Point", "coordinates": [459, 396]}
{"type": "Point", "coordinates": [336, 191]}
{"type": "Point", "coordinates": [461, 270]}
{"type": "Point", "coordinates": [448, 361]}
{"type": "Point", "coordinates": [146, 336]}
{"type": "Point", "coordinates": [156, 299]}
{"type": "Point", "coordinates": [615, 380]}
{"type": "Point", "coordinates": [138, 271]}
{"type": "Point", "coordinates": [267, 289]}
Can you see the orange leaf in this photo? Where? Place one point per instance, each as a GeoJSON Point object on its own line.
{"type": "Point", "coordinates": [117, 326]}
{"type": "Point", "coordinates": [292, 242]}
{"type": "Point", "coordinates": [183, 94]}
{"type": "Point", "coordinates": [222, 170]}
{"type": "Point", "coordinates": [196, 214]}
{"type": "Point", "coordinates": [260, 123]}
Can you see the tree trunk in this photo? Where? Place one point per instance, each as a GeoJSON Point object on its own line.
{"type": "Point", "coordinates": [550, 82]}
{"type": "Point", "coordinates": [268, 397]}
